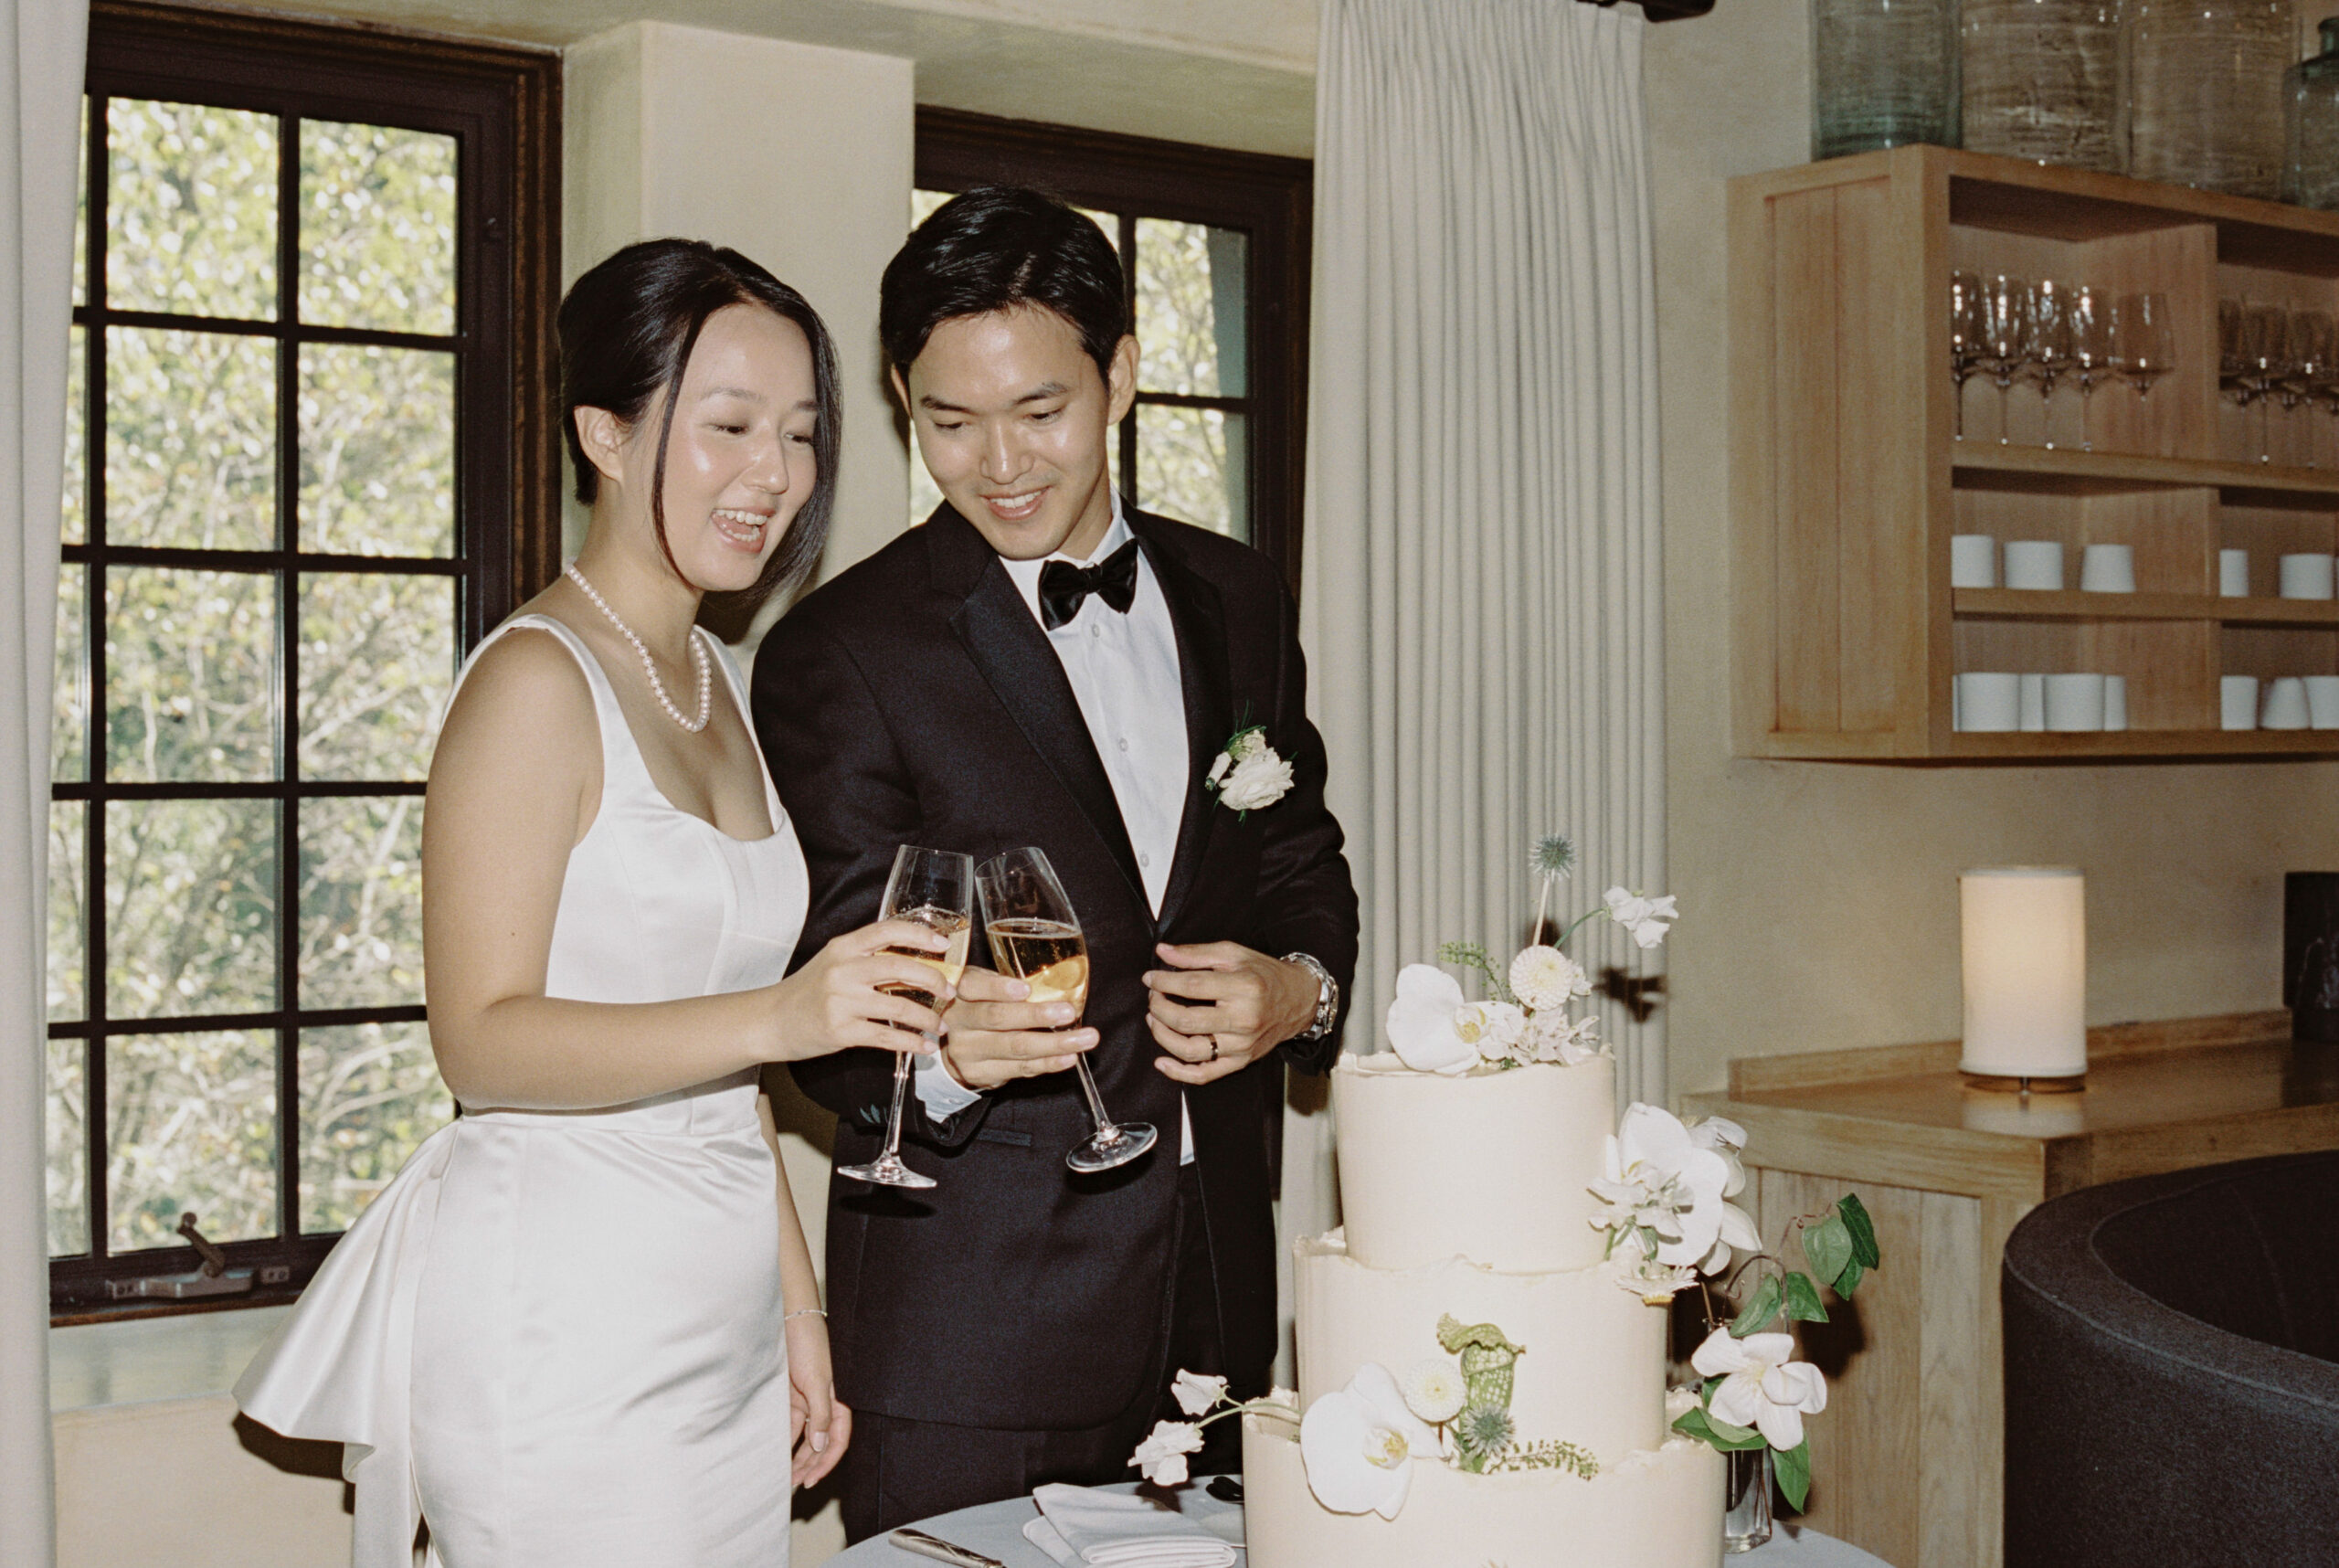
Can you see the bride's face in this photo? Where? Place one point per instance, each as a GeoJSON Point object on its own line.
{"type": "Point", "coordinates": [739, 460]}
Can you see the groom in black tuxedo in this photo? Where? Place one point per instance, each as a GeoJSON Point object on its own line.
{"type": "Point", "coordinates": [1038, 665]}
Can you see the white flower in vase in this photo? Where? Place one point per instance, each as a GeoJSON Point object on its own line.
{"type": "Point", "coordinates": [1161, 1457]}
{"type": "Point", "coordinates": [1358, 1443]}
{"type": "Point", "coordinates": [1726, 1139]}
{"type": "Point", "coordinates": [1646, 918]}
{"type": "Point", "coordinates": [1196, 1393]}
{"type": "Point", "coordinates": [1545, 979]}
{"type": "Point", "coordinates": [1664, 1182]}
{"type": "Point", "coordinates": [1763, 1386]}
{"type": "Point", "coordinates": [1424, 1021]}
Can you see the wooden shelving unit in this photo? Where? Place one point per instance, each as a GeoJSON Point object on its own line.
{"type": "Point", "coordinates": [1849, 476]}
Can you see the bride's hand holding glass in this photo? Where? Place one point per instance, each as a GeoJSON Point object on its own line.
{"type": "Point", "coordinates": [861, 989]}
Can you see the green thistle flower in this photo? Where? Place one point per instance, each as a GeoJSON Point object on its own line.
{"type": "Point", "coordinates": [1553, 856]}
{"type": "Point", "coordinates": [1481, 1431]}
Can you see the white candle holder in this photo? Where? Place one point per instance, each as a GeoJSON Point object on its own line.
{"type": "Point", "coordinates": [2024, 961]}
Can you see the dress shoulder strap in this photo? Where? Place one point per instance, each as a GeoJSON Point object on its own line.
{"type": "Point", "coordinates": [619, 756]}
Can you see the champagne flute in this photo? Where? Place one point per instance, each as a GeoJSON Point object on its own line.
{"type": "Point", "coordinates": [1035, 937]}
{"type": "Point", "coordinates": [935, 888]}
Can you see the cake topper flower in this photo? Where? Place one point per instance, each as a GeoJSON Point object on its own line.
{"type": "Point", "coordinates": [1425, 1021]}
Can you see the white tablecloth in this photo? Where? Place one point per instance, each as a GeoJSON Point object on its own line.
{"type": "Point", "coordinates": [996, 1530]}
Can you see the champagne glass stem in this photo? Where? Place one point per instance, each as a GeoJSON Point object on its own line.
{"type": "Point", "coordinates": [1107, 1129]}
{"type": "Point", "coordinates": [2087, 396]}
{"type": "Point", "coordinates": [901, 1093]}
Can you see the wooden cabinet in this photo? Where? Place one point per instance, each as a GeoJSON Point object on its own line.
{"type": "Point", "coordinates": [1848, 477]}
{"type": "Point", "coordinates": [1909, 1459]}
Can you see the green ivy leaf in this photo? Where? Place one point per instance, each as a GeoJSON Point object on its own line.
{"type": "Point", "coordinates": [1793, 1468]}
{"type": "Point", "coordinates": [1802, 1299]}
{"type": "Point", "coordinates": [1759, 1311]}
{"type": "Point", "coordinates": [1720, 1435]}
{"type": "Point", "coordinates": [1849, 1280]}
{"type": "Point", "coordinates": [1854, 1214]}
{"type": "Point", "coordinates": [1828, 1246]}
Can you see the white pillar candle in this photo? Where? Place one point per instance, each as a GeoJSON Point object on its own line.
{"type": "Point", "coordinates": [2025, 936]}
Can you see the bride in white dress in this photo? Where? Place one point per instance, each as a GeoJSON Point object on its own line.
{"type": "Point", "coordinates": [581, 1330]}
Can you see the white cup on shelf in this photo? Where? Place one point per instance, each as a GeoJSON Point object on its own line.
{"type": "Point", "coordinates": [1989, 702]}
{"type": "Point", "coordinates": [2285, 704]}
{"type": "Point", "coordinates": [2108, 568]}
{"type": "Point", "coordinates": [2034, 564]}
{"type": "Point", "coordinates": [1973, 561]}
{"type": "Point", "coordinates": [2115, 702]}
{"type": "Point", "coordinates": [2306, 576]}
{"type": "Point", "coordinates": [2034, 703]}
{"type": "Point", "coordinates": [2233, 574]}
{"type": "Point", "coordinates": [2323, 701]}
{"type": "Point", "coordinates": [2074, 704]}
{"type": "Point", "coordinates": [2237, 701]}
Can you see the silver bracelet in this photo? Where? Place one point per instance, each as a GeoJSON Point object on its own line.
{"type": "Point", "coordinates": [801, 1311]}
{"type": "Point", "coordinates": [1327, 996]}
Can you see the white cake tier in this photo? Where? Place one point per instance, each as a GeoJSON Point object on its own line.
{"type": "Point", "coordinates": [1496, 1167]}
{"type": "Point", "coordinates": [1593, 1371]}
{"type": "Point", "coordinates": [1660, 1510]}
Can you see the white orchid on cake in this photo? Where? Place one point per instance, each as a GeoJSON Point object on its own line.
{"type": "Point", "coordinates": [1667, 1186]}
{"type": "Point", "coordinates": [1524, 1015]}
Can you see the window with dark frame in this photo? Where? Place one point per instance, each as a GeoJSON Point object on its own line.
{"type": "Point", "coordinates": [1214, 248]}
{"type": "Point", "coordinates": [310, 461]}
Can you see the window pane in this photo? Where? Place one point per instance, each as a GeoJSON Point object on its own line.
{"type": "Point", "coordinates": [1189, 465]}
{"type": "Point", "coordinates": [377, 228]}
{"type": "Point", "coordinates": [1190, 309]}
{"type": "Point", "coordinates": [377, 655]}
{"type": "Point", "coordinates": [68, 1146]}
{"type": "Point", "coordinates": [81, 213]}
{"type": "Point", "coordinates": [1110, 222]}
{"type": "Point", "coordinates": [368, 1095]}
{"type": "Point", "coordinates": [190, 907]}
{"type": "Point", "coordinates": [190, 1127]}
{"type": "Point", "coordinates": [361, 901]}
{"type": "Point", "coordinates": [74, 514]}
{"type": "Point", "coordinates": [377, 451]}
{"type": "Point", "coordinates": [68, 926]}
{"type": "Point", "coordinates": [190, 675]}
{"type": "Point", "coordinates": [190, 209]}
{"type": "Point", "coordinates": [923, 204]}
{"type": "Point", "coordinates": [69, 732]}
{"type": "Point", "coordinates": [190, 440]}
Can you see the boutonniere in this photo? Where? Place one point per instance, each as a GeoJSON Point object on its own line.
{"type": "Point", "coordinates": [1248, 776]}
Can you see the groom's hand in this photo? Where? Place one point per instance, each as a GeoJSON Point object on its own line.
{"type": "Point", "coordinates": [990, 1033]}
{"type": "Point", "coordinates": [1220, 1007]}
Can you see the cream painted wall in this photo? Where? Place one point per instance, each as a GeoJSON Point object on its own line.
{"type": "Point", "coordinates": [1820, 899]}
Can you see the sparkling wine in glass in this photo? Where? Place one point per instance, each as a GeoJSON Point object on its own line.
{"type": "Point", "coordinates": [935, 888]}
{"type": "Point", "coordinates": [1036, 937]}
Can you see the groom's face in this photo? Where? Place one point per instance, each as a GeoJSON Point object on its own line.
{"type": "Point", "coordinates": [1012, 421]}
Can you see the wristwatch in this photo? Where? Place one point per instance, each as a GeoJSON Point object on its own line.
{"type": "Point", "coordinates": [1327, 996]}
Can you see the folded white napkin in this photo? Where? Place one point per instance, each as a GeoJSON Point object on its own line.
{"type": "Point", "coordinates": [1114, 1530]}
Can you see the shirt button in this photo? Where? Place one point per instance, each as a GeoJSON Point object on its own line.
{"type": "Point", "coordinates": [1145, 860]}
{"type": "Point", "coordinates": [1125, 743]}
{"type": "Point", "coordinates": [1096, 631]}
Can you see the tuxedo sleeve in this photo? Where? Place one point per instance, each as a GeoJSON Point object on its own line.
{"type": "Point", "coordinates": [852, 802]}
{"type": "Point", "coordinates": [1307, 900]}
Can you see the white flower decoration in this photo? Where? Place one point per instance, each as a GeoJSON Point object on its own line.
{"type": "Point", "coordinates": [1434, 1389]}
{"type": "Point", "coordinates": [1248, 774]}
{"type": "Point", "coordinates": [1664, 1182]}
{"type": "Point", "coordinates": [1162, 1456]}
{"type": "Point", "coordinates": [1196, 1393]}
{"type": "Point", "coordinates": [1763, 1386]}
{"type": "Point", "coordinates": [1360, 1442]}
{"type": "Point", "coordinates": [1543, 977]}
{"type": "Point", "coordinates": [1646, 918]}
{"type": "Point", "coordinates": [1555, 1037]}
{"type": "Point", "coordinates": [1424, 1020]}
{"type": "Point", "coordinates": [1726, 1139]}
{"type": "Point", "coordinates": [1494, 1027]}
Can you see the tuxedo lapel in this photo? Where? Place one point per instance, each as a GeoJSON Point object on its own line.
{"type": "Point", "coordinates": [1199, 617]}
{"type": "Point", "coordinates": [1013, 654]}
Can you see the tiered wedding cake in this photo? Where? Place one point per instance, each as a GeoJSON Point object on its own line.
{"type": "Point", "coordinates": [1471, 1232]}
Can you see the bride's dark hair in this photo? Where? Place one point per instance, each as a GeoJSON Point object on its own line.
{"type": "Point", "coordinates": [626, 328]}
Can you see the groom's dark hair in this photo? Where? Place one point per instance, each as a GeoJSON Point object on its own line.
{"type": "Point", "coordinates": [998, 247]}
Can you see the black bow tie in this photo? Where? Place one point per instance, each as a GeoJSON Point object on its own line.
{"type": "Point", "coordinates": [1063, 585]}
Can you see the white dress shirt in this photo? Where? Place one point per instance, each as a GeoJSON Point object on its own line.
{"type": "Point", "coordinates": [1123, 669]}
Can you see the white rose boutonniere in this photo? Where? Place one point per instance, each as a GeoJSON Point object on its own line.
{"type": "Point", "coordinates": [1247, 776]}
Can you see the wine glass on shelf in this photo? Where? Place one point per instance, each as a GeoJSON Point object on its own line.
{"type": "Point", "coordinates": [2047, 346]}
{"type": "Point", "coordinates": [1964, 339]}
{"type": "Point", "coordinates": [935, 889]}
{"type": "Point", "coordinates": [2006, 329]}
{"type": "Point", "coordinates": [2306, 367]}
{"type": "Point", "coordinates": [2090, 317]}
{"type": "Point", "coordinates": [1036, 937]}
{"type": "Point", "coordinates": [2265, 333]}
{"type": "Point", "coordinates": [2142, 343]}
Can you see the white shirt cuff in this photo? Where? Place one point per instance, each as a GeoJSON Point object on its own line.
{"type": "Point", "coordinates": [943, 1095]}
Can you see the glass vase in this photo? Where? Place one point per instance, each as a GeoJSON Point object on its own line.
{"type": "Point", "coordinates": [1883, 74]}
{"type": "Point", "coordinates": [2311, 125]}
{"type": "Point", "coordinates": [2042, 80]}
{"type": "Point", "coordinates": [2202, 82]}
{"type": "Point", "coordinates": [1746, 1499]}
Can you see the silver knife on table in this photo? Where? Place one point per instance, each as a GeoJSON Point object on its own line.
{"type": "Point", "coordinates": [941, 1551]}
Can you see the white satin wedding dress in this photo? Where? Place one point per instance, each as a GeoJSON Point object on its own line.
{"type": "Point", "coordinates": [556, 1336]}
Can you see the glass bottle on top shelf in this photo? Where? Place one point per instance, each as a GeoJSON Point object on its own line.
{"type": "Point", "coordinates": [2202, 81]}
{"type": "Point", "coordinates": [1884, 74]}
{"type": "Point", "coordinates": [2042, 80]}
{"type": "Point", "coordinates": [2311, 125]}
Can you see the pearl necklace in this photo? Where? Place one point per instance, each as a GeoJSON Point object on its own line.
{"type": "Point", "coordinates": [650, 665]}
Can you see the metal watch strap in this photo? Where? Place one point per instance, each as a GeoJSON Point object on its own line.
{"type": "Point", "coordinates": [1327, 996]}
